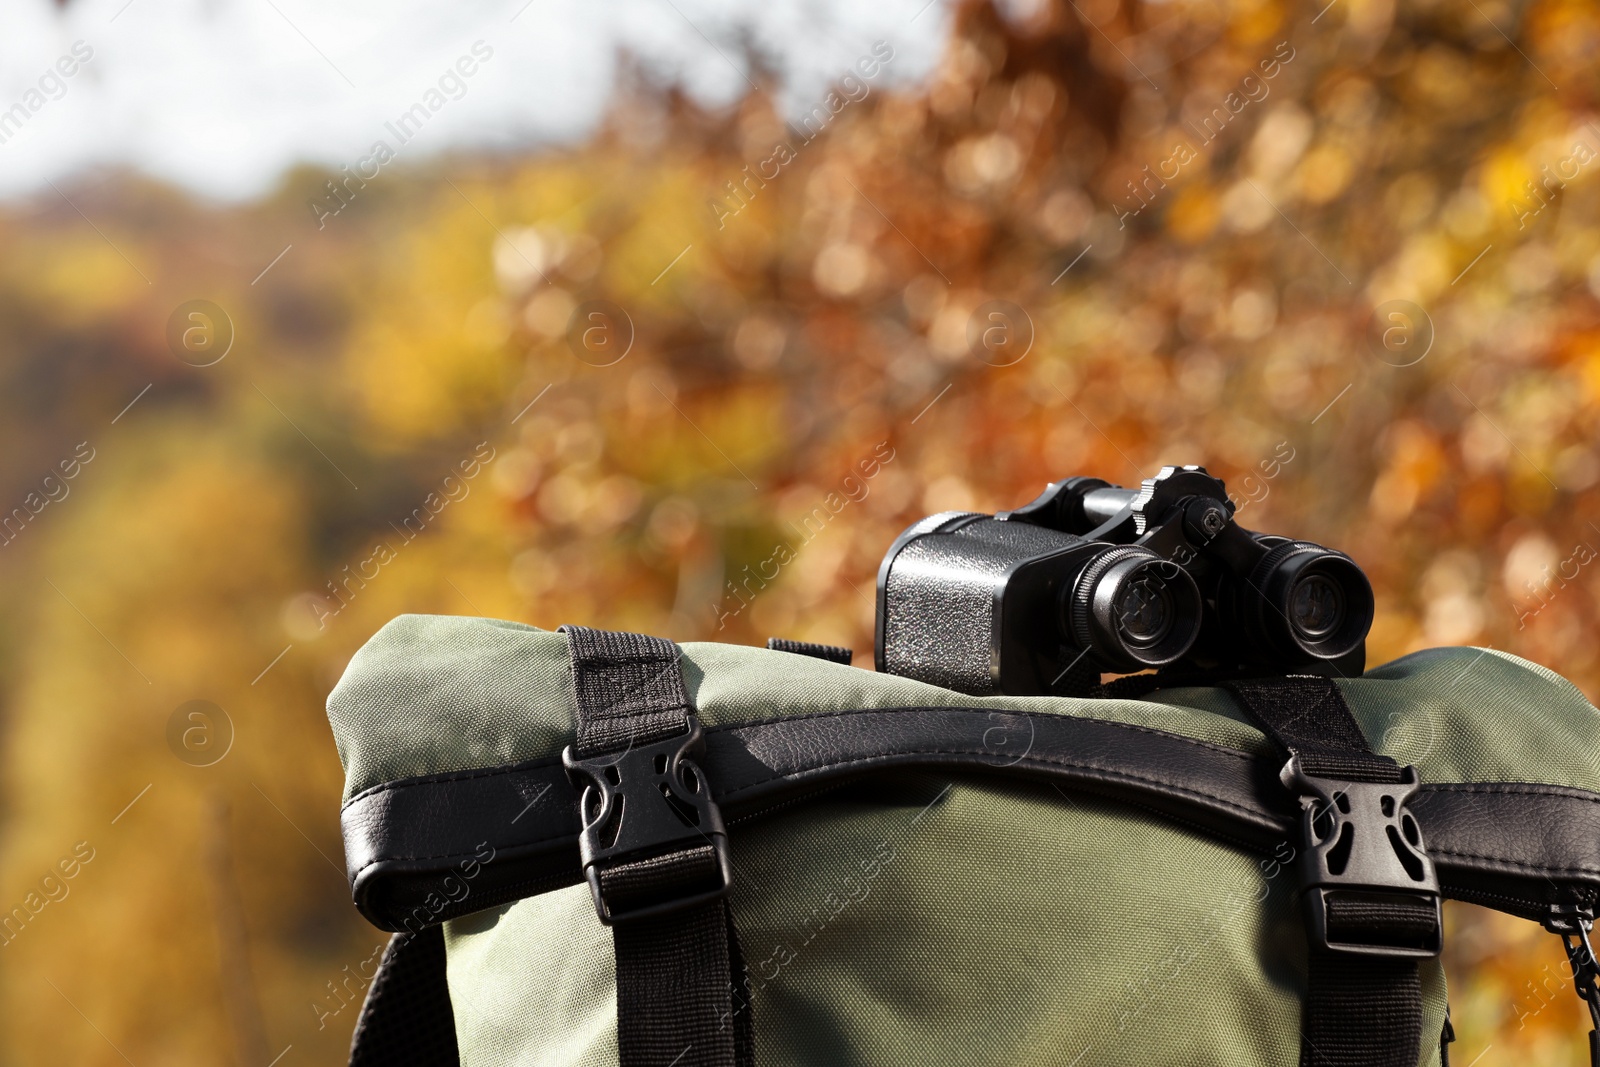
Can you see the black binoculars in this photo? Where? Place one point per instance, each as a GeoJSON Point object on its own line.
{"type": "Point", "coordinates": [1093, 578]}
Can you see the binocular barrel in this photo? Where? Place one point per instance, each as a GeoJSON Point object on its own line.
{"type": "Point", "coordinates": [1092, 577]}
{"type": "Point", "coordinates": [984, 606]}
{"type": "Point", "coordinates": [1133, 610]}
{"type": "Point", "coordinates": [1104, 504]}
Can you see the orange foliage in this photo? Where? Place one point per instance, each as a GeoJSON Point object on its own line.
{"type": "Point", "coordinates": [1194, 214]}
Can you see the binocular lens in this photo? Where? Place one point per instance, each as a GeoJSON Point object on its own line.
{"type": "Point", "coordinates": [1316, 606]}
{"type": "Point", "coordinates": [1134, 610]}
{"type": "Point", "coordinates": [1144, 611]}
{"type": "Point", "coordinates": [1315, 603]}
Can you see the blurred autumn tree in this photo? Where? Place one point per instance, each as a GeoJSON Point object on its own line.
{"type": "Point", "coordinates": [1198, 209]}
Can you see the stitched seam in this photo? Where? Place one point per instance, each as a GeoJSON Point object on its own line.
{"type": "Point", "coordinates": [1035, 759]}
{"type": "Point", "coordinates": [1514, 863]}
{"type": "Point", "coordinates": [1493, 789]}
{"type": "Point", "coordinates": [447, 855]}
{"type": "Point", "coordinates": [970, 752]}
{"type": "Point", "coordinates": [1432, 851]}
{"type": "Point", "coordinates": [987, 711]}
{"type": "Point", "coordinates": [453, 776]}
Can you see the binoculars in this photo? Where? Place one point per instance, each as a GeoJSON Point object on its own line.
{"type": "Point", "coordinates": [1093, 578]}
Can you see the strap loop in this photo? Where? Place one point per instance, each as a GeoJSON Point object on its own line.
{"type": "Point", "coordinates": [655, 854]}
{"type": "Point", "coordinates": [1370, 891]}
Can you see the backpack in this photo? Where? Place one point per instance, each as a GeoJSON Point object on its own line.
{"type": "Point", "coordinates": [597, 848]}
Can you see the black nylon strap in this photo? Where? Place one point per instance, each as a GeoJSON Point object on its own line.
{"type": "Point", "coordinates": [831, 653]}
{"type": "Point", "coordinates": [1306, 716]}
{"type": "Point", "coordinates": [676, 972]}
{"type": "Point", "coordinates": [675, 1004]}
{"type": "Point", "coordinates": [1391, 921]}
{"type": "Point", "coordinates": [407, 1017]}
{"type": "Point", "coordinates": [630, 689]}
{"type": "Point", "coordinates": [1361, 1010]}
{"type": "Point", "coordinates": [680, 874]}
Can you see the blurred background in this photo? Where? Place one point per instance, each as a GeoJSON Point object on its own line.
{"type": "Point", "coordinates": [310, 316]}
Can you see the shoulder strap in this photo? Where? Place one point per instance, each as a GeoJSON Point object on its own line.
{"type": "Point", "coordinates": [655, 855]}
{"type": "Point", "coordinates": [407, 1017]}
{"type": "Point", "coordinates": [1372, 899]}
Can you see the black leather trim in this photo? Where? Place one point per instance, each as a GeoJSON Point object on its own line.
{"type": "Point", "coordinates": [425, 849]}
{"type": "Point", "coordinates": [1516, 846]}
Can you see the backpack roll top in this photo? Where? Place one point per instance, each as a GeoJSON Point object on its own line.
{"type": "Point", "coordinates": [627, 848]}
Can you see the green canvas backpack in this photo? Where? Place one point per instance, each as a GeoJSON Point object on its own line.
{"type": "Point", "coordinates": [602, 849]}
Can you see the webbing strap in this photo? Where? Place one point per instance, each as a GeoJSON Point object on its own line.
{"type": "Point", "coordinates": [675, 1003]}
{"type": "Point", "coordinates": [630, 689]}
{"type": "Point", "coordinates": [1306, 716]}
{"type": "Point", "coordinates": [1362, 1010]}
{"type": "Point", "coordinates": [676, 970]}
{"type": "Point", "coordinates": [831, 653]}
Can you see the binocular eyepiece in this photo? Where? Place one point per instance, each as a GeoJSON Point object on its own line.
{"type": "Point", "coordinates": [1092, 578]}
{"type": "Point", "coordinates": [1133, 610]}
{"type": "Point", "coordinates": [1306, 603]}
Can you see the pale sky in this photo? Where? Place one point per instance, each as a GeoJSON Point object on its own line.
{"type": "Point", "coordinates": [221, 96]}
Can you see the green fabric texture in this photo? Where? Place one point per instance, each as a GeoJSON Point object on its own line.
{"type": "Point", "coordinates": [431, 694]}
{"type": "Point", "coordinates": [917, 920]}
{"type": "Point", "coordinates": [926, 922]}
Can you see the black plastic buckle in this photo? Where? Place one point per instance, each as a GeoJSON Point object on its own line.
{"type": "Point", "coordinates": [1363, 846]}
{"type": "Point", "coordinates": [648, 800]}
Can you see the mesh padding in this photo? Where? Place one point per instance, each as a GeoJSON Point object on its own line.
{"type": "Point", "coordinates": [406, 1017]}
